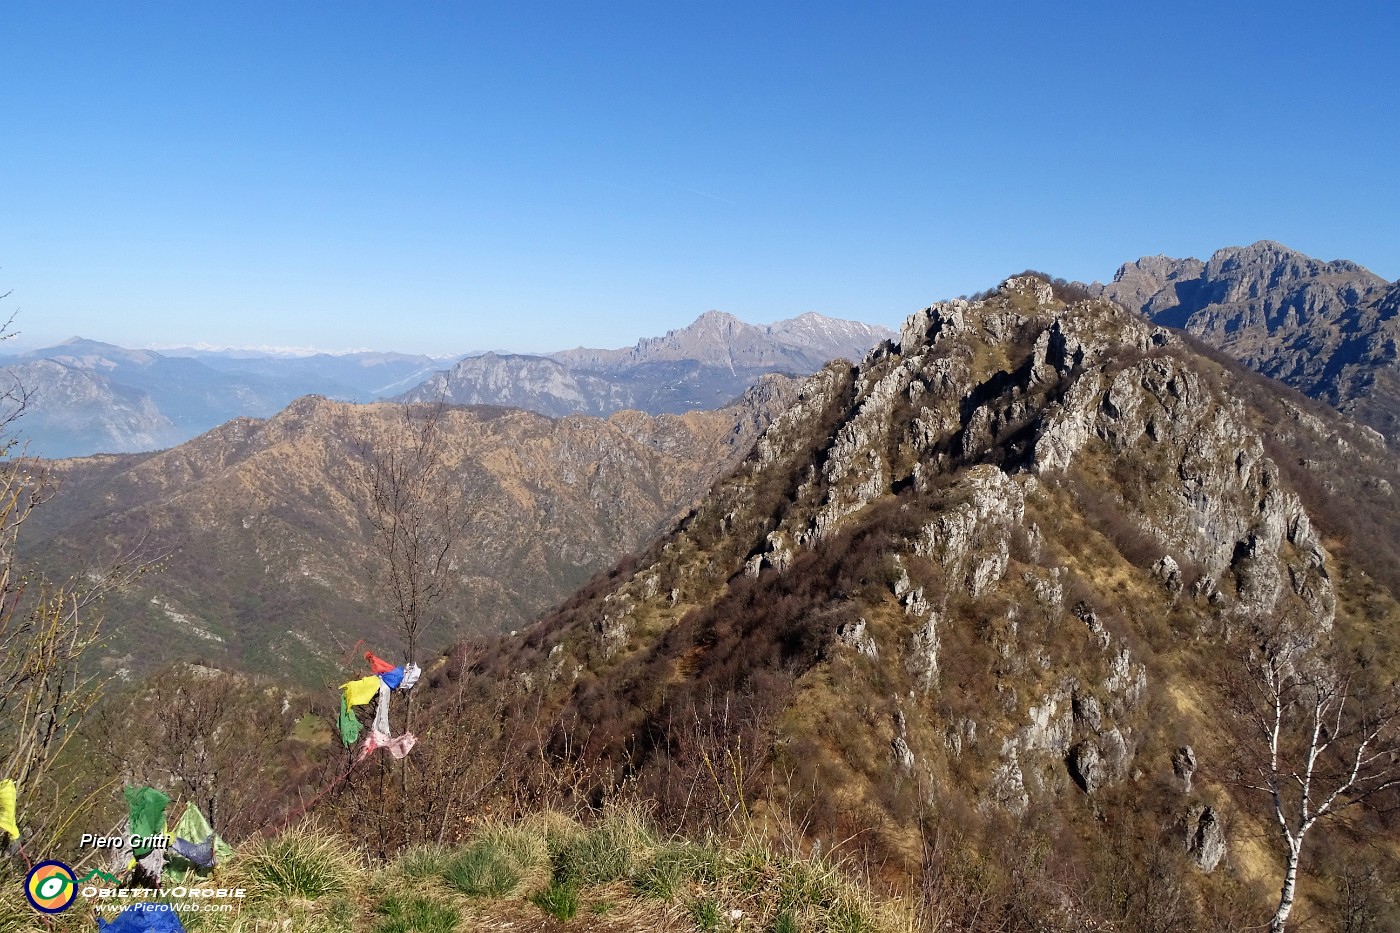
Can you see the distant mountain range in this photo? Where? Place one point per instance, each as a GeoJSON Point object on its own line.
{"type": "Point", "coordinates": [1328, 329]}
{"type": "Point", "coordinates": [701, 366]}
{"type": "Point", "coordinates": [90, 397]}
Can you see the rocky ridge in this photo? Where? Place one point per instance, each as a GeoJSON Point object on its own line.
{"type": "Point", "coordinates": [704, 365]}
{"type": "Point", "coordinates": [995, 559]}
{"type": "Point", "coordinates": [800, 344]}
{"type": "Point", "coordinates": [1328, 329]}
{"type": "Point", "coordinates": [534, 383]}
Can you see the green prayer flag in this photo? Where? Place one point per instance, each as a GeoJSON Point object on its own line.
{"type": "Point", "coordinates": [147, 807]}
{"type": "Point", "coordinates": [193, 827]}
{"type": "Point", "coordinates": [348, 723]}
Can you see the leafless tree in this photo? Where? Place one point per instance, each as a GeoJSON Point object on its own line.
{"type": "Point", "coordinates": [14, 395]}
{"type": "Point", "coordinates": [418, 511]}
{"type": "Point", "coordinates": [46, 629]}
{"type": "Point", "coordinates": [201, 733]}
{"type": "Point", "coordinates": [1319, 740]}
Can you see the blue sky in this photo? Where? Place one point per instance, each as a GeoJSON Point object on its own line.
{"type": "Point", "coordinates": [452, 176]}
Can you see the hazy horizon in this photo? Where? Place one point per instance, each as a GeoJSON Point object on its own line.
{"type": "Point", "coordinates": [18, 343]}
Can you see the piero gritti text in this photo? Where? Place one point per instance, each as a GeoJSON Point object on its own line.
{"type": "Point", "coordinates": [135, 841]}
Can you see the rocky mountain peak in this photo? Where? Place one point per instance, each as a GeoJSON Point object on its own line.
{"type": "Point", "coordinates": [1322, 327]}
{"type": "Point", "coordinates": [1252, 270]}
{"type": "Point", "coordinates": [716, 338]}
{"type": "Point", "coordinates": [713, 322]}
{"type": "Point", "coordinates": [534, 383]}
{"type": "Point", "coordinates": [974, 558]}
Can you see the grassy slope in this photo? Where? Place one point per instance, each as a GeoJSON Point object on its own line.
{"type": "Point", "coordinates": [547, 872]}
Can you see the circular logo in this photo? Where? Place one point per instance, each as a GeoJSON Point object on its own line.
{"type": "Point", "coordinates": [51, 887]}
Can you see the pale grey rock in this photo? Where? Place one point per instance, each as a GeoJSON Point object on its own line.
{"type": "Point", "coordinates": [779, 554]}
{"type": "Point", "coordinates": [1087, 766]}
{"type": "Point", "coordinates": [988, 571]}
{"type": "Point", "coordinates": [1008, 786]}
{"type": "Point", "coordinates": [853, 635]}
{"type": "Point", "coordinates": [1085, 614]}
{"type": "Point", "coordinates": [1184, 766]}
{"type": "Point", "coordinates": [903, 755]}
{"type": "Point", "coordinates": [784, 437]}
{"type": "Point", "coordinates": [1126, 682]}
{"type": "Point", "coordinates": [1087, 713]}
{"type": "Point", "coordinates": [960, 735]}
{"type": "Point", "coordinates": [995, 505]}
{"type": "Point", "coordinates": [1052, 725]}
{"type": "Point", "coordinates": [854, 471]}
{"type": "Point", "coordinates": [915, 605]}
{"type": "Point", "coordinates": [1069, 427]}
{"type": "Point", "coordinates": [1168, 573]}
{"type": "Point", "coordinates": [1205, 837]}
{"type": "Point", "coordinates": [1048, 591]}
{"type": "Point", "coordinates": [932, 324]}
{"type": "Point", "coordinates": [1328, 329]}
{"type": "Point", "coordinates": [1117, 755]}
{"type": "Point", "coordinates": [902, 584]}
{"type": "Point", "coordinates": [1222, 520]}
{"type": "Point", "coordinates": [921, 660]}
{"type": "Point", "coordinates": [614, 629]}
{"type": "Point", "coordinates": [1101, 759]}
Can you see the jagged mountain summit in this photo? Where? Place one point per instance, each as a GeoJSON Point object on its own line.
{"type": "Point", "coordinates": [976, 593]}
{"type": "Point", "coordinates": [801, 344]}
{"type": "Point", "coordinates": [1329, 329]}
{"type": "Point", "coordinates": [266, 557]}
{"type": "Point", "coordinates": [703, 365]}
{"type": "Point", "coordinates": [88, 397]}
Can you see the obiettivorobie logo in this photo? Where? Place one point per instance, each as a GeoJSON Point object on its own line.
{"type": "Point", "coordinates": [51, 886]}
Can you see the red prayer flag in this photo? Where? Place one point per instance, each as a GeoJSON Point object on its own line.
{"type": "Point", "coordinates": [377, 665]}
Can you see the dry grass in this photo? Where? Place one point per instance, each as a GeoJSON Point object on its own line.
{"type": "Point", "coordinates": [622, 874]}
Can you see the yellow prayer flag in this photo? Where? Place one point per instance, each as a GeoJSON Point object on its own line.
{"type": "Point", "coordinates": [7, 808]}
{"type": "Point", "coordinates": [359, 692]}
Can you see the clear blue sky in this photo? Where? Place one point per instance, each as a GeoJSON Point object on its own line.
{"type": "Point", "coordinates": [452, 175]}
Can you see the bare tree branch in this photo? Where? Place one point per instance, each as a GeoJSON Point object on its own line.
{"type": "Point", "coordinates": [1321, 740]}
